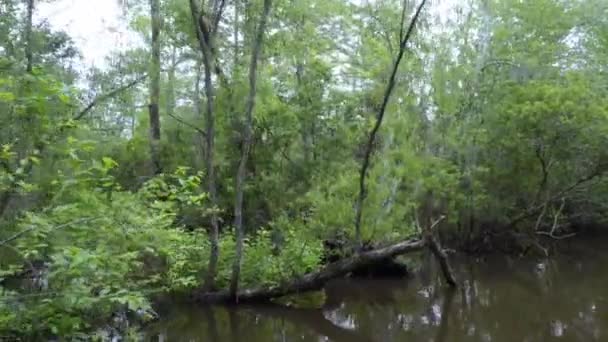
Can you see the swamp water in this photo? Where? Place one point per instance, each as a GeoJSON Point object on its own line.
{"type": "Point", "coordinates": [563, 298]}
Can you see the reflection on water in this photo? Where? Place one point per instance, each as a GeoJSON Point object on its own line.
{"type": "Point", "coordinates": [501, 299]}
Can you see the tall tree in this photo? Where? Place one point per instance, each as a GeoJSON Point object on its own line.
{"type": "Point", "coordinates": [206, 29]}
{"type": "Point", "coordinates": [28, 35]}
{"type": "Point", "coordinates": [153, 106]}
{"type": "Point", "coordinates": [404, 37]}
{"type": "Point", "coordinates": [247, 142]}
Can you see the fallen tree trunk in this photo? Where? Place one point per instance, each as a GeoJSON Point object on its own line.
{"type": "Point", "coordinates": [316, 280]}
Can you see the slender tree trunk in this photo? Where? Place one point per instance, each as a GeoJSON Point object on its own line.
{"type": "Point", "coordinates": [302, 101]}
{"type": "Point", "coordinates": [235, 62]}
{"type": "Point", "coordinates": [205, 41]}
{"type": "Point", "coordinates": [404, 38]}
{"type": "Point", "coordinates": [247, 142]}
{"type": "Point", "coordinates": [155, 87]}
{"type": "Point", "coordinates": [28, 36]}
{"type": "Point", "coordinates": [210, 167]}
{"type": "Point", "coordinates": [170, 91]}
{"type": "Point", "coordinates": [199, 138]}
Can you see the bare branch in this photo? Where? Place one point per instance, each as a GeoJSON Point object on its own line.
{"type": "Point", "coordinates": [560, 237]}
{"type": "Point", "coordinates": [379, 119]}
{"type": "Point", "coordinates": [534, 209]}
{"type": "Point", "coordinates": [217, 15]}
{"type": "Point", "coordinates": [498, 62]}
{"type": "Point", "coordinates": [551, 233]}
{"type": "Point", "coordinates": [402, 21]}
{"type": "Point", "coordinates": [436, 222]}
{"type": "Point", "coordinates": [540, 218]}
{"type": "Point", "coordinates": [186, 123]}
{"type": "Point", "coordinates": [107, 96]}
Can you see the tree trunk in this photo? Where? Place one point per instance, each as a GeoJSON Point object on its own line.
{"type": "Point", "coordinates": [247, 142]}
{"type": "Point", "coordinates": [199, 137]}
{"type": "Point", "coordinates": [5, 199]}
{"type": "Point", "coordinates": [155, 87]}
{"type": "Point", "coordinates": [205, 40]}
{"type": "Point", "coordinates": [235, 61]}
{"type": "Point", "coordinates": [316, 280]}
{"type": "Point", "coordinates": [28, 36]}
{"type": "Point", "coordinates": [404, 38]}
{"type": "Point", "coordinates": [170, 91]}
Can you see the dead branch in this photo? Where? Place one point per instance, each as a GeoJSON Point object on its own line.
{"type": "Point", "coordinates": [107, 96]}
{"type": "Point", "coordinates": [534, 209]}
{"type": "Point", "coordinates": [379, 118]}
{"type": "Point", "coordinates": [186, 123]}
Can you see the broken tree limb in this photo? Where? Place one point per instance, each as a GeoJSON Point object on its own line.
{"type": "Point", "coordinates": [187, 124]}
{"type": "Point", "coordinates": [442, 257]}
{"type": "Point", "coordinates": [433, 244]}
{"type": "Point", "coordinates": [109, 95]}
{"type": "Point", "coordinates": [316, 280]}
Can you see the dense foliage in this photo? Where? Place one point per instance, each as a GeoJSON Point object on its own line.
{"type": "Point", "coordinates": [498, 122]}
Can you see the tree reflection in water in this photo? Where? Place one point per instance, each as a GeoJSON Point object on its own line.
{"type": "Point", "coordinates": [501, 299]}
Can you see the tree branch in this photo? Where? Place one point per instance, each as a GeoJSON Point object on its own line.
{"type": "Point", "coordinates": [379, 119]}
{"type": "Point", "coordinates": [32, 228]}
{"type": "Point", "coordinates": [106, 96]}
{"type": "Point", "coordinates": [533, 210]}
{"type": "Point", "coordinates": [217, 15]}
{"type": "Point", "coordinates": [186, 123]}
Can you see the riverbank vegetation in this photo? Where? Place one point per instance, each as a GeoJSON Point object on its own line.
{"type": "Point", "coordinates": [252, 149]}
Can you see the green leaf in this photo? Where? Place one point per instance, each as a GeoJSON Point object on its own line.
{"type": "Point", "coordinates": [108, 163]}
{"type": "Point", "coordinates": [7, 97]}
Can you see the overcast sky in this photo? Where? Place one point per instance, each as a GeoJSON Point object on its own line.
{"type": "Point", "coordinates": [98, 27]}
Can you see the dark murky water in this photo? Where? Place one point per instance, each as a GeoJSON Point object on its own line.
{"type": "Point", "coordinates": [564, 298]}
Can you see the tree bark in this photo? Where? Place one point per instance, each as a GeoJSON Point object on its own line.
{"type": "Point", "coordinates": [28, 36]}
{"type": "Point", "coordinates": [170, 91]}
{"type": "Point", "coordinates": [205, 39]}
{"type": "Point", "coordinates": [247, 142]}
{"type": "Point", "coordinates": [199, 138]}
{"type": "Point", "coordinates": [404, 39]}
{"type": "Point", "coordinates": [155, 87]}
{"type": "Point", "coordinates": [442, 257]}
{"type": "Point", "coordinates": [316, 280]}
